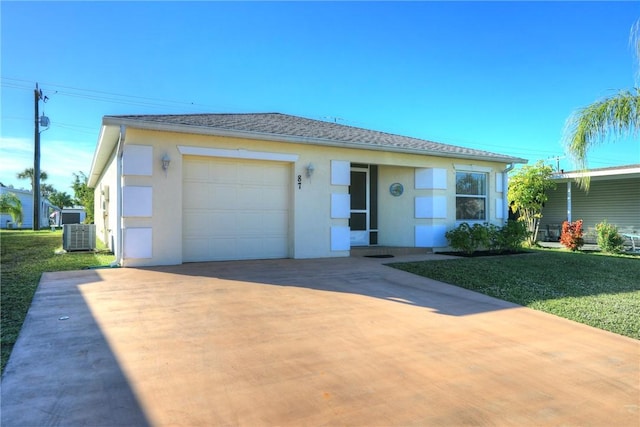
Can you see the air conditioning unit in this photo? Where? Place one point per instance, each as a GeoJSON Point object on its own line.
{"type": "Point", "coordinates": [78, 237]}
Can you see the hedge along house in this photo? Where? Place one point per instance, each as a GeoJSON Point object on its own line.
{"type": "Point", "coordinates": [614, 195]}
{"type": "Point", "coordinates": [182, 188]}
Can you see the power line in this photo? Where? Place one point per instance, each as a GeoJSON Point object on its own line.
{"type": "Point", "coordinates": [98, 95]}
{"type": "Point", "coordinates": [55, 124]}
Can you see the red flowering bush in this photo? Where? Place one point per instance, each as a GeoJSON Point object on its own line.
{"type": "Point", "coordinates": [571, 236]}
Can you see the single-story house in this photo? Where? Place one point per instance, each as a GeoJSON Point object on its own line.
{"type": "Point", "coordinates": [182, 188]}
{"type": "Point", "coordinates": [614, 195]}
{"type": "Point", "coordinates": [26, 199]}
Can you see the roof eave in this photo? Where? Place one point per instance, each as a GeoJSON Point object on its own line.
{"type": "Point", "coordinates": [623, 172]}
{"type": "Point", "coordinates": [107, 141]}
{"type": "Point", "coordinates": [205, 130]}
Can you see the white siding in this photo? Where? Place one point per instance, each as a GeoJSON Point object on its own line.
{"type": "Point", "coordinates": [616, 200]}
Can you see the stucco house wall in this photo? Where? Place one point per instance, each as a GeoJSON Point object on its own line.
{"type": "Point", "coordinates": [106, 205]}
{"type": "Point", "coordinates": [151, 199]}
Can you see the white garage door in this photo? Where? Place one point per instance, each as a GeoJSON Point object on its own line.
{"type": "Point", "coordinates": [235, 209]}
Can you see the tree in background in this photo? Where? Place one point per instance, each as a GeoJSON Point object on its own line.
{"type": "Point", "coordinates": [47, 190]}
{"type": "Point", "coordinates": [83, 194]}
{"type": "Point", "coordinates": [10, 204]}
{"type": "Point", "coordinates": [527, 195]}
{"type": "Point", "coordinates": [613, 117]}
{"type": "Point", "coordinates": [28, 174]}
{"type": "Point", "coordinates": [61, 199]}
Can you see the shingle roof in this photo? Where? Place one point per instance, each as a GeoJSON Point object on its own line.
{"type": "Point", "coordinates": [309, 130]}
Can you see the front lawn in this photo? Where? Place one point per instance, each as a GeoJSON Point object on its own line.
{"type": "Point", "coordinates": [594, 289]}
{"type": "Point", "coordinates": [25, 255]}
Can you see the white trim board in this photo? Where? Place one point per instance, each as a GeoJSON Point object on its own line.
{"type": "Point", "coordinates": [472, 168]}
{"type": "Point", "coordinates": [236, 154]}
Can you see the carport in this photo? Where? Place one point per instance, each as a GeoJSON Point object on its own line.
{"type": "Point", "coordinates": [343, 341]}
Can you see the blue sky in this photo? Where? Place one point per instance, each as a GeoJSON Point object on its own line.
{"type": "Point", "coordinates": [498, 76]}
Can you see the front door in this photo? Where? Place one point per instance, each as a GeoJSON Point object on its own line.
{"type": "Point", "coordinates": [359, 191]}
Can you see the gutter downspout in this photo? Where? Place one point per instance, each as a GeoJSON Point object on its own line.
{"type": "Point", "coordinates": [119, 249]}
{"type": "Point", "coordinates": [505, 187]}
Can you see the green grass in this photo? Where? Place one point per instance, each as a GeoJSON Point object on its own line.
{"type": "Point", "coordinates": [25, 255]}
{"type": "Point", "coordinates": [594, 289]}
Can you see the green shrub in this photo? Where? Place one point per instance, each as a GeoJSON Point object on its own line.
{"type": "Point", "coordinates": [469, 239]}
{"type": "Point", "coordinates": [609, 240]}
{"type": "Point", "coordinates": [495, 237]}
{"type": "Point", "coordinates": [464, 238]}
{"type": "Point", "coordinates": [460, 238]}
{"type": "Point", "coordinates": [513, 235]}
{"type": "Point", "coordinates": [480, 236]}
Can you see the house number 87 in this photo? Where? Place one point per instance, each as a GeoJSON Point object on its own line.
{"type": "Point", "coordinates": [299, 182]}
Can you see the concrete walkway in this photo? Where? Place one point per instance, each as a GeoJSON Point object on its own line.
{"type": "Point", "coordinates": [344, 341]}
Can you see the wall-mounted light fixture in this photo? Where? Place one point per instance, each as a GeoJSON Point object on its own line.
{"type": "Point", "coordinates": [310, 169]}
{"type": "Point", "coordinates": [165, 163]}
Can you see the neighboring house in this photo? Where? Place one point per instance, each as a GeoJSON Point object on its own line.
{"type": "Point", "coordinates": [181, 188]}
{"type": "Point", "coordinates": [75, 215]}
{"type": "Point", "coordinates": [26, 198]}
{"type": "Point", "coordinates": [614, 195]}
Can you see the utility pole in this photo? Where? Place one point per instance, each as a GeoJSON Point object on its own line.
{"type": "Point", "coordinates": [39, 121]}
{"type": "Point", "coordinates": [36, 162]}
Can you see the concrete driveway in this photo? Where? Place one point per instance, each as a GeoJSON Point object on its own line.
{"type": "Point", "coordinates": [344, 341]}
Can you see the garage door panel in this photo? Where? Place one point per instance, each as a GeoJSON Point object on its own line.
{"type": "Point", "coordinates": [227, 224]}
{"type": "Point", "coordinates": [268, 198]}
{"type": "Point", "coordinates": [266, 248]}
{"type": "Point", "coordinates": [276, 200]}
{"type": "Point", "coordinates": [223, 197]}
{"type": "Point", "coordinates": [195, 224]}
{"type": "Point", "coordinates": [273, 247]}
{"type": "Point", "coordinates": [249, 249]}
{"type": "Point", "coordinates": [249, 198]}
{"type": "Point", "coordinates": [272, 199]}
{"type": "Point", "coordinates": [274, 222]}
{"type": "Point", "coordinates": [274, 175]}
{"type": "Point", "coordinates": [223, 172]}
{"type": "Point", "coordinates": [198, 170]}
{"type": "Point", "coordinates": [250, 173]}
{"type": "Point", "coordinates": [222, 249]}
{"type": "Point", "coordinates": [197, 250]}
{"type": "Point", "coordinates": [241, 210]}
{"type": "Point", "coordinates": [248, 224]}
{"type": "Point", "coordinates": [193, 195]}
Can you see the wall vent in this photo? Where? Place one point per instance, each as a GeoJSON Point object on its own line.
{"type": "Point", "coordinates": [79, 237]}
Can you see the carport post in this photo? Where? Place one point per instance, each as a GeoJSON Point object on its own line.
{"type": "Point", "coordinates": [569, 201]}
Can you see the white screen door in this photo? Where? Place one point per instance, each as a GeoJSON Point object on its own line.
{"type": "Point", "coordinates": [359, 220]}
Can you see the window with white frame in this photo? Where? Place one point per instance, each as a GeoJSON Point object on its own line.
{"type": "Point", "coordinates": [471, 196]}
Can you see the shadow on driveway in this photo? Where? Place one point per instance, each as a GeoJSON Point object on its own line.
{"type": "Point", "coordinates": [359, 276]}
{"type": "Point", "coordinates": [62, 370]}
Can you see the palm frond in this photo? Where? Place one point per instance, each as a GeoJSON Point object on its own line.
{"type": "Point", "coordinates": [607, 119]}
{"type": "Point", "coordinates": [634, 42]}
{"type": "Point", "coordinates": [11, 204]}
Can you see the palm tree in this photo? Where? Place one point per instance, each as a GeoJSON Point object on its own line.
{"type": "Point", "coordinates": [613, 117]}
{"type": "Point", "coordinates": [61, 199]}
{"type": "Point", "coordinates": [28, 174]}
{"type": "Point", "coordinates": [10, 203]}
{"type": "Point", "coordinates": [46, 190]}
